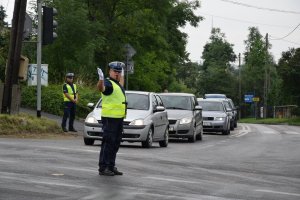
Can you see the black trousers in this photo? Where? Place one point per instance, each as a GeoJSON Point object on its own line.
{"type": "Point", "coordinates": [112, 136]}
{"type": "Point", "coordinates": [69, 112]}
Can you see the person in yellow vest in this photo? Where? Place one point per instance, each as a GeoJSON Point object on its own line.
{"type": "Point", "coordinates": [112, 115]}
{"type": "Point", "coordinates": [70, 95]}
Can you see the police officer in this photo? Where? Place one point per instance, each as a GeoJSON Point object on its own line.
{"type": "Point", "coordinates": [112, 115]}
{"type": "Point", "coordinates": [70, 95]}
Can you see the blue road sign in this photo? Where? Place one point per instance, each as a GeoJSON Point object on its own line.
{"type": "Point", "coordinates": [248, 98]}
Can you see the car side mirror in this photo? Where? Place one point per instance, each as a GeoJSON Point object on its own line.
{"type": "Point", "coordinates": [159, 109]}
{"type": "Point", "coordinates": [198, 108]}
{"type": "Point", "coordinates": [91, 105]}
{"type": "Point", "coordinates": [229, 110]}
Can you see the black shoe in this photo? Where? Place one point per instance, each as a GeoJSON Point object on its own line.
{"type": "Point", "coordinates": [107, 172]}
{"type": "Point", "coordinates": [116, 172]}
{"type": "Point", "coordinates": [64, 129]}
{"type": "Point", "coordinates": [72, 129]}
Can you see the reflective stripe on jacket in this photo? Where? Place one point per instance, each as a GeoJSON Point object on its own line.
{"type": "Point", "coordinates": [113, 105]}
{"type": "Point", "coordinates": [70, 92]}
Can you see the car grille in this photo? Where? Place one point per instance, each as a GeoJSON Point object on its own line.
{"type": "Point", "coordinates": [91, 133]}
{"type": "Point", "coordinates": [172, 121]}
{"type": "Point", "coordinates": [130, 135]}
{"type": "Point", "coordinates": [124, 123]}
{"type": "Point", "coordinates": [182, 131]}
{"type": "Point", "coordinates": [208, 118]}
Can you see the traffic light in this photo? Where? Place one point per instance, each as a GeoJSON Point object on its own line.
{"type": "Point", "coordinates": [49, 25]}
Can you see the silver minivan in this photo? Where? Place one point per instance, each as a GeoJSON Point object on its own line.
{"type": "Point", "coordinates": [185, 116]}
{"type": "Point", "coordinates": [146, 120]}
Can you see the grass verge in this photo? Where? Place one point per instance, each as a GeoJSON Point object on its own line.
{"type": "Point", "coordinates": [28, 126]}
{"type": "Point", "coordinates": [288, 121]}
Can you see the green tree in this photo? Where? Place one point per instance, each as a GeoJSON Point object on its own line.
{"type": "Point", "coordinates": [77, 40]}
{"type": "Point", "coordinates": [289, 72]}
{"type": "Point", "coordinates": [259, 67]}
{"type": "Point", "coordinates": [218, 73]}
{"type": "Point", "coordinates": [4, 42]}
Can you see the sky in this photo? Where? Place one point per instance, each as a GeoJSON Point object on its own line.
{"type": "Point", "coordinates": [278, 18]}
{"type": "Point", "coordinates": [234, 20]}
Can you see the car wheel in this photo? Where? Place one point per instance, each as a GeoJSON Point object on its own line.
{"type": "Point", "coordinates": [200, 135]}
{"type": "Point", "coordinates": [232, 126]}
{"type": "Point", "coordinates": [227, 131]}
{"type": "Point", "coordinates": [88, 141]}
{"type": "Point", "coordinates": [193, 138]}
{"type": "Point", "coordinates": [165, 142]}
{"type": "Point", "coordinates": [149, 140]}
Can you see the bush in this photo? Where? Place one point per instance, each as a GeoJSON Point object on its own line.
{"type": "Point", "coordinates": [52, 99]}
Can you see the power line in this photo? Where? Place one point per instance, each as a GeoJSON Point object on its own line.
{"type": "Point", "coordinates": [287, 34]}
{"type": "Point", "coordinates": [244, 21]}
{"type": "Point", "coordinates": [261, 8]}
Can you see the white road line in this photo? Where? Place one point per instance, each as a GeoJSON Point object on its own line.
{"type": "Point", "coordinates": [276, 192]}
{"type": "Point", "coordinates": [27, 179]}
{"type": "Point", "coordinates": [292, 132]}
{"type": "Point", "coordinates": [245, 130]}
{"type": "Point", "coordinates": [171, 180]}
{"type": "Point", "coordinates": [8, 161]}
{"type": "Point", "coordinates": [240, 134]}
{"type": "Point", "coordinates": [270, 132]}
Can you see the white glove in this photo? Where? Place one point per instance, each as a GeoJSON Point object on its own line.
{"type": "Point", "coordinates": [100, 73]}
{"type": "Point", "coordinates": [122, 73]}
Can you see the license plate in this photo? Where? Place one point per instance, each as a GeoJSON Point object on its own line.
{"type": "Point", "coordinates": [171, 129]}
{"type": "Point", "coordinates": [206, 124]}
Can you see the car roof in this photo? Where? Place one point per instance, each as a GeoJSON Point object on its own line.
{"type": "Point", "coordinates": [215, 96]}
{"type": "Point", "coordinates": [211, 100]}
{"type": "Point", "coordinates": [138, 92]}
{"type": "Point", "coordinates": [177, 94]}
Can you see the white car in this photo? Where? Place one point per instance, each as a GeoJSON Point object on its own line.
{"type": "Point", "coordinates": [146, 120]}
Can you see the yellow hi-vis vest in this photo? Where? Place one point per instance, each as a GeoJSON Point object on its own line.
{"type": "Point", "coordinates": [70, 92]}
{"type": "Point", "coordinates": [114, 105]}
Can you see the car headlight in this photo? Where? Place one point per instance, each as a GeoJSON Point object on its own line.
{"type": "Point", "coordinates": [91, 120]}
{"type": "Point", "coordinates": [220, 118]}
{"type": "Point", "coordinates": [137, 122]}
{"type": "Point", "coordinates": [185, 121]}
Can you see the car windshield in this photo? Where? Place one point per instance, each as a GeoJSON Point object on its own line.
{"type": "Point", "coordinates": [137, 101]}
{"type": "Point", "coordinates": [211, 106]}
{"type": "Point", "coordinates": [177, 102]}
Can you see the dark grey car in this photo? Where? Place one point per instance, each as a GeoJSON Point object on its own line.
{"type": "Point", "coordinates": [184, 114]}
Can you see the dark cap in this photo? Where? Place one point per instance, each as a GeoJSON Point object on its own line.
{"type": "Point", "coordinates": [116, 65]}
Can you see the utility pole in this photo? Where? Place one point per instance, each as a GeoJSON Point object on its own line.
{"type": "Point", "coordinates": [13, 63]}
{"type": "Point", "coordinates": [266, 79]}
{"type": "Point", "coordinates": [39, 59]}
{"type": "Point", "coordinates": [240, 86]}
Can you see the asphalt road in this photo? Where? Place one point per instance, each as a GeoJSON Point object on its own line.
{"type": "Point", "coordinates": [254, 162]}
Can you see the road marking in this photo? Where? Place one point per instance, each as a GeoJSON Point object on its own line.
{"type": "Point", "coordinates": [245, 130]}
{"type": "Point", "coordinates": [271, 132]}
{"type": "Point", "coordinates": [276, 192]}
{"type": "Point", "coordinates": [292, 132]}
{"type": "Point", "coordinates": [57, 174]}
{"type": "Point", "coordinates": [240, 134]}
{"type": "Point", "coordinates": [171, 180]}
{"type": "Point", "coordinates": [20, 178]}
{"type": "Point", "coordinates": [8, 161]}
